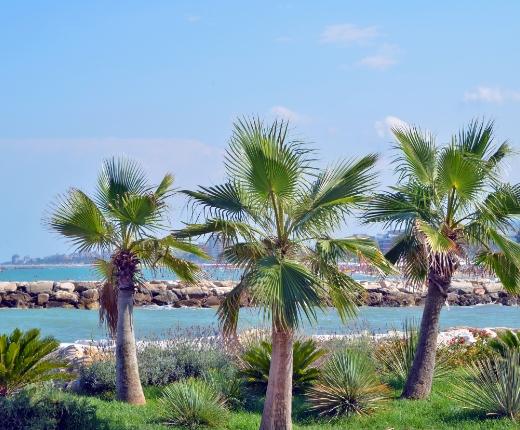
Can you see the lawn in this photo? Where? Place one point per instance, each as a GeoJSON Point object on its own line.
{"type": "Point", "coordinates": [437, 413]}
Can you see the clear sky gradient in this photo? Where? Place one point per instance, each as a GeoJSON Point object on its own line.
{"type": "Point", "coordinates": [162, 81]}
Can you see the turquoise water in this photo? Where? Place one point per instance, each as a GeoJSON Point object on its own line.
{"type": "Point", "coordinates": [87, 273]}
{"type": "Point", "coordinates": [68, 325]}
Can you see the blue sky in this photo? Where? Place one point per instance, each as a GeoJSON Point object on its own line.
{"type": "Point", "coordinates": [162, 81]}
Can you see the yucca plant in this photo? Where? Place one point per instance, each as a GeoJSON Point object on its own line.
{"type": "Point", "coordinates": [193, 404]}
{"type": "Point", "coordinates": [506, 341]}
{"type": "Point", "coordinates": [492, 386]}
{"type": "Point", "coordinates": [276, 214]}
{"type": "Point", "coordinates": [24, 360]}
{"type": "Point", "coordinates": [451, 205]}
{"type": "Point", "coordinates": [395, 356]}
{"type": "Point", "coordinates": [256, 361]}
{"type": "Point", "coordinates": [348, 384]}
{"type": "Point", "coordinates": [228, 384]}
{"type": "Point", "coordinates": [122, 220]}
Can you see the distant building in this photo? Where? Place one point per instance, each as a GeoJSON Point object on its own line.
{"type": "Point", "coordinates": [16, 259]}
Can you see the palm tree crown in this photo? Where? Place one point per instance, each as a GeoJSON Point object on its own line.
{"type": "Point", "coordinates": [276, 214]}
{"type": "Point", "coordinates": [451, 205]}
{"type": "Point", "coordinates": [122, 219]}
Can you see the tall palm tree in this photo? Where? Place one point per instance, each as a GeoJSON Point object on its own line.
{"type": "Point", "coordinates": [121, 220]}
{"type": "Point", "coordinates": [275, 214]}
{"type": "Point", "coordinates": [450, 204]}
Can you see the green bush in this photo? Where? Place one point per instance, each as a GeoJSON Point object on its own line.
{"type": "Point", "coordinates": [492, 385]}
{"type": "Point", "coordinates": [47, 410]}
{"type": "Point", "coordinates": [98, 378]}
{"type": "Point", "coordinates": [24, 360]}
{"type": "Point", "coordinates": [348, 384]}
{"type": "Point", "coordinates": [158, 365]}
{"type": "Point", "coordinates": [192, 404]}
{"type": "Point", "coordinates": [256, 360]}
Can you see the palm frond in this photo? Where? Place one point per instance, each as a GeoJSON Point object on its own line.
{"type": "Point", "coordinates": [77, 217]}
{"type": "Point", "coordinates": [335, 193]}
{"type": "Point", "coordinates": [417, 157]}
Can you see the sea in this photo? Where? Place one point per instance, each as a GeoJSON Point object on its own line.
{"type": "Point", "coordinates": [71, 325]}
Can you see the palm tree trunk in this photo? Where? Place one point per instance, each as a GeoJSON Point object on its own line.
{"type": "Point", "coordinates": [128, 384]}
{"type": "Point", "coordinates": [420, 379]}
{"type": "Point", "coordinates": [278, 399]}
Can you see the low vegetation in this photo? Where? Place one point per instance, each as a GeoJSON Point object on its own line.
{"type": "Point", "coordinates": [200, 383]}
{"type": "Point", "coordinates": [25, 359]}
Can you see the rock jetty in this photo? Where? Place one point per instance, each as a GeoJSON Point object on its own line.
{"type": "Point", "coordinates": [85, 294]}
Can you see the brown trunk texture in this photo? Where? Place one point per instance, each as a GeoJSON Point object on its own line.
{"type": "Point", "coordinates": [128, 384]}
{"type": "Point", "coordinates": [278, 399]}
{"type": "Point", "coordinates": [419, 382]}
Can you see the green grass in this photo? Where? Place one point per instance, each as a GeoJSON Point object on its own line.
{"type": "Point", "coordinates": [436, 413]}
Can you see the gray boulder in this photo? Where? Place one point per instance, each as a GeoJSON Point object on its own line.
{"type": "Point", "coordinates": [39, 287]}
{"type": "Point", "coordinates": [8, 287]}
{"type": "Point", "coordinates": [66, 296]}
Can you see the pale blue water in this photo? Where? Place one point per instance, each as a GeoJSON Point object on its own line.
{"type": "Point", "coordinates": [68, 325]}
{"type": "Point", "coordinates": [87, 273]}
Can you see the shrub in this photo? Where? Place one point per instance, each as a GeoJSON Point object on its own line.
{"type": "Point", "coordinates": [461, 353]}
{"type": "Point", "coordinates": [348, 384]}
{"type": "Point", "coordinates": [228, 384]}
{"type": "Point", "coordinates": [24, 360]}
{"type": "Point", "coordinates": [256, 360]}
{"type": "Point", "coordinates": [98, 378]}
{"type": "Point", "coordinates": [395, 356]}
{"type": "Point", "coordinates": [492, 385]}
{"type": "Point", "coordinates": [505, 342]}
{"type": "Point", "coordinates": [46, 410]}
{"type": "Point", "coordinates": [159, 365]}
{"type": "Point", "coordinates": [192, 404]}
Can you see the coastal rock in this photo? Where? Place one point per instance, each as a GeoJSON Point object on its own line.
{"type": "Point", "coordinates": [198, 292]}
{"type": "Point", "coordinates": [141, 299]}
{"type": "Point", "coordinates": [58, 304]}
{"type": "Point", "coordinates": [479, 291]}
{"type": "Point", "coordinates": [493, 287]}
{"type": "Point", "coordinates": [17, 300]}
{"type": "Point", "coordinates": [166, 298]}
{"type": "Point", "coordinates": [155, 288]}
{"type": "Point", "coordinates": [211, 301]}
{"type": "Point", "coordinates": [221, 291]}
{"type": "Point", "coordinates": [66, 296]}
{"type": "Point", "coordinates": [87, 285]}
{"type": "Point", "coordinates": [8, 287]}
{"type": "Point", "coordinates": [38, 287]}
{"type": "Point", "coordinates": [42, 299]}
{"type": "Point", "coordinates": [91, 295]}
{"type": "Point", "coordinates": [64, 286]}
{"type": "Point", "coordinates": [189, 303]}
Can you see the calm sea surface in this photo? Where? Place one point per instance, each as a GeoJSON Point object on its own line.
{"type": "Point", "coordinates": [68, 325]}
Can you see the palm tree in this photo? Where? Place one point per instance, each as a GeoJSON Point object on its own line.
{"type": "Point", "coordinates": [450, 204]}
{"type": "Point", "coordinates": [121, 220]}
{"type": "Point", "coordinates": [275, 215]}
{"type": "Point", "coordinates": [24, 360]}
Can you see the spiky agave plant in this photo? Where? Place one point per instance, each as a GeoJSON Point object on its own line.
{"type": "Point", "coordinates": [449, 200]}
{"type": "Point", "coordinates": [122, 220]}
{"type": "Point", "coordinates": [276, 215]}
{"type": "Point", "coordinates": [25, 360]}
{"type": "Point", "coordinates": [491, 385]}
{"type": "Point", "coordinates": [348, 385]}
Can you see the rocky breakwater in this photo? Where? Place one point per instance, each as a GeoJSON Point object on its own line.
{"type": "Point", "coordinates": [85, 295]}
{"type": "Point", "coordinates": [462, 292]}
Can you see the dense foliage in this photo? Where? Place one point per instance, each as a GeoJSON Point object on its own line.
{"type": "Point", "coordinates": [24, 360]}
{"type": "Point", "coordinates": [256, 361]}
{"type": "Point", "coordinates": [47, 410]}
